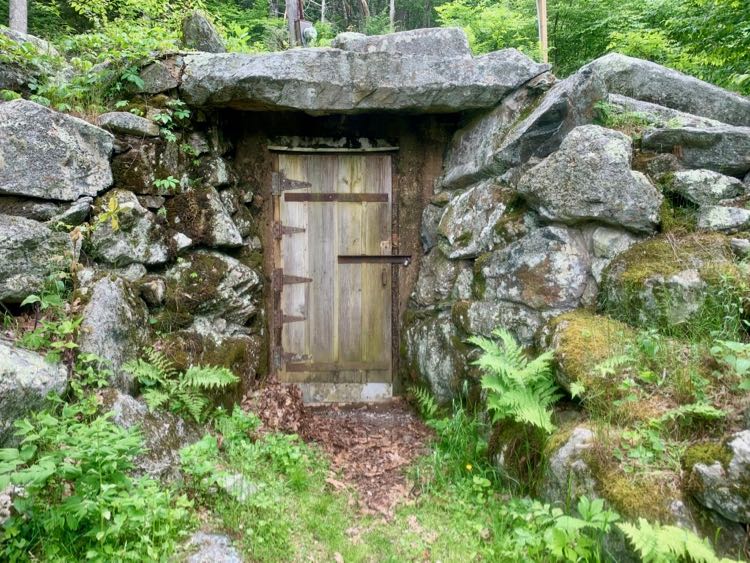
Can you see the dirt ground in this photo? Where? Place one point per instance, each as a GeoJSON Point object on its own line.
{"type": "Point", "coordinates": [370, 445]}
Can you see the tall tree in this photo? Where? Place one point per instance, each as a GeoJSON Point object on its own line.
{"type": "Point", "coordinates": [19, 18]}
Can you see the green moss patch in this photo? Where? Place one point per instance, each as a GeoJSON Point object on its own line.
{"type": "Point", "coordinates": [706, 453]}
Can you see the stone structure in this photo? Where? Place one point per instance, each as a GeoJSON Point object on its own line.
{"type": "Point", "coordinates": [534, 211]}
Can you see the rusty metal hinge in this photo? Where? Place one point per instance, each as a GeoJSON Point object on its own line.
{"type": "Point", "coordinates": [279, 280]}
{"type": "Point", "coordinates": [280, 230]}
{"type": "Point", "coordinates": [280, 183]}
{"type": "Point", "coordinates": [281, 319]}
{"type": "Point", "coordinates": [280, 357]}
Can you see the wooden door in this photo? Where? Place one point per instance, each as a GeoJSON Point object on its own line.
{"type": "Point", "coordinates": [334, 308]}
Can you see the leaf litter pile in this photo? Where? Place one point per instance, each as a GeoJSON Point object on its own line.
{"type": "Point", "coordinates": [370, 445]}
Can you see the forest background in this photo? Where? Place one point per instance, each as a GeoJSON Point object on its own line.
{"type": "Point", "coordinates": [709, 39]}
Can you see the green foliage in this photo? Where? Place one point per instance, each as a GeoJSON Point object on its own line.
{"type": "Point", "coordinates": [663, 544]}
{"type": "Point", "coordinates": [79, 501]}
{"type": "Point", "coordinates": [491, 26]}
{"type": "Point", "coordinates": [167, 184]}
{"type": "Point", "coordinates": [54, 331]}
{"type": "Point", "coordinates": [736, 356]}
{"type": "Point", "coordinates": [426, 403]}
{"type": "Point", "coordinates": [187, 392]}
{"type": "Point", "coordinates": [518, 389]}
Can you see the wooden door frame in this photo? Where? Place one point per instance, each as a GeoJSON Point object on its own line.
{"type": "Point", "coordinates": [275, 327]}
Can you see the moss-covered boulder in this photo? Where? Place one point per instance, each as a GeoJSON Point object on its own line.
{"type": "Point", "coordinates": [212, 285]}
{"type": "Point", "coordinates": [441, 280]}
{"type": "Point", "coordinates": [114, 327]}
{"type": "Point", "coordinates": [433, 353]}
{"type": "Point", "coordinates": [720, 476]}
{"type": "Point", "coordinates": [581, 342]}
{"type": "Point", "coordinates": [483, 317]}
{"type": "Point", "coordinates": [201, 215]}
{"type": "Point", "coordinates": [566, 475]}
{"type": "Point", "coordinates": [216, 343]}
{"type": "Point", "coordinates": [467, 225]}
{"type": "Point", "coordinates": [548, 269]}
{"type": "Point", "coordinates": [669, 282]}
{"type": "Point", "coordinates": [125, 232]}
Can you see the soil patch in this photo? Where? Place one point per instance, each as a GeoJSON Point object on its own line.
{"type": "Point", "coordinates": [370, 445]}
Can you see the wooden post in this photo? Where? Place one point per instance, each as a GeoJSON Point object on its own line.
{"type": "Point", "coordinates": [292, 14]}
{"type": "Point", "coordinates": [541, 8]}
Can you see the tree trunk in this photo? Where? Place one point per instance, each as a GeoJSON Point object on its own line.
{"type": "Point", "coordinates": [322, 11]}
{"type": "Point", "coordinates": [19, 19]}
{"type": "Point", "coordinates": [392, 15]}
{"type": "Point", "coordinates": [365, 9]}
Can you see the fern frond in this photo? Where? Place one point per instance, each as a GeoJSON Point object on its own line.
{"type": "Point", "coordinates": [209, 377]}
{"type": "Point", "coordinates": [517, 388]}
{"type": "Point", "coordinates": [155, 398]}
{"type": "Point", "coordinates": [161, 363]}
{"type": "Point", "coordinates": [425, 401]}
{"type": "Point", "coordinates": [657, 543]}
{"type": "Point", "coordinates": [193, 402]}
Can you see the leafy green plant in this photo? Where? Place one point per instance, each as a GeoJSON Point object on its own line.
{"type": "Point", "coordinates": [656, 543]}
{"type": "Point", "coordinates": [736, 356]}
{"type": "Point", "coordinates": [167, 184]}
{"type": "Point", "coordinates": [110, 214]}
{"type": "Point", "coordinates": [518, 389]}
{"type": "Point", "coordinates": [54, 330]}
{"type": "Point", "coordinates": [185, 392]}
{"type": "Point", "coordinates": [79, 501]}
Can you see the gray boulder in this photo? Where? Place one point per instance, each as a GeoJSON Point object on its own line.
{"type": "Point", "coordinates": [163, 432]}
{"type": "Point", "coordinates": [39, 59]}
{"type": "Point", "coordinates": [320, 81]}
{"type": "Point", "coordinates": [654, 83]}
{"type": "Point", "coordinates": [439, 279]}
{"type": "Point", "coordinates": [448, 41]}
{"type": "Point", "coordinates": [467, 226]}
{"type": "Point", "coordinates": [706, 187]}
{"type": "Point", "coordinates": [213, 285]}
{"type": "Point", "coordinates": [26, 379]}
{"type": "Point", "coordinates": [212, 548]}
{"type": "Point", "coordinates": [519, 128]}
{"type": "Point", "coordinates": [482, 317]}
{"type": "Point", "coordinates": [589, 179]}
{"type": "Point", "coordinates": [137, 236]}
{"type": "Point", "coordinates": [198, 33]}
{"type": "Point", "coordinates": [723, 487]}
{"type": "Point", "coordinates": [656, 115]}
{"type": "Point", "coordinates": [665, 280]}
{"type": "Point", "coordinates": [431, 354]}
{"type": "Point", "coordinates": [161, 76]}
{"type": "Point", "coordinates": [201, 215]}
{"type": "Point", "coordinates": [29, 252]}
{"type": "Point", "coordinates": [723, 219]}
{"type": "Point", "coordinates": [74, 214]}
{"type": "Point", "coordinates": [51, 155]}
{"type": "Point", "coordinates": [546, 270]}
{"type": "Point", "coordinates": [126, 123]}
{"type": "Point", "coordinates": [114, 327]}
{"type": "Point", "coordinates": [724, 149]}
{"type": "Point", "coordinates": [606, 244]}
{"type": "Point", "coordinates": [567, 476]}
{"type": "Point", "coordinates": [429, 226]}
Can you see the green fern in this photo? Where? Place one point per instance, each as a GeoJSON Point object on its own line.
{"type": "Point", "coordinates": [209, 377]}
{"type": "Point", "coordinates": [702, 411]}
{"type": "Point", "coordinates": [426, 403]}
{"type": "Point", "coordinates": [166, 387]}
{"type": "Point", "coordinates": [666, 544]}
{"type": "Point", "coordinates": [519, 389]}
